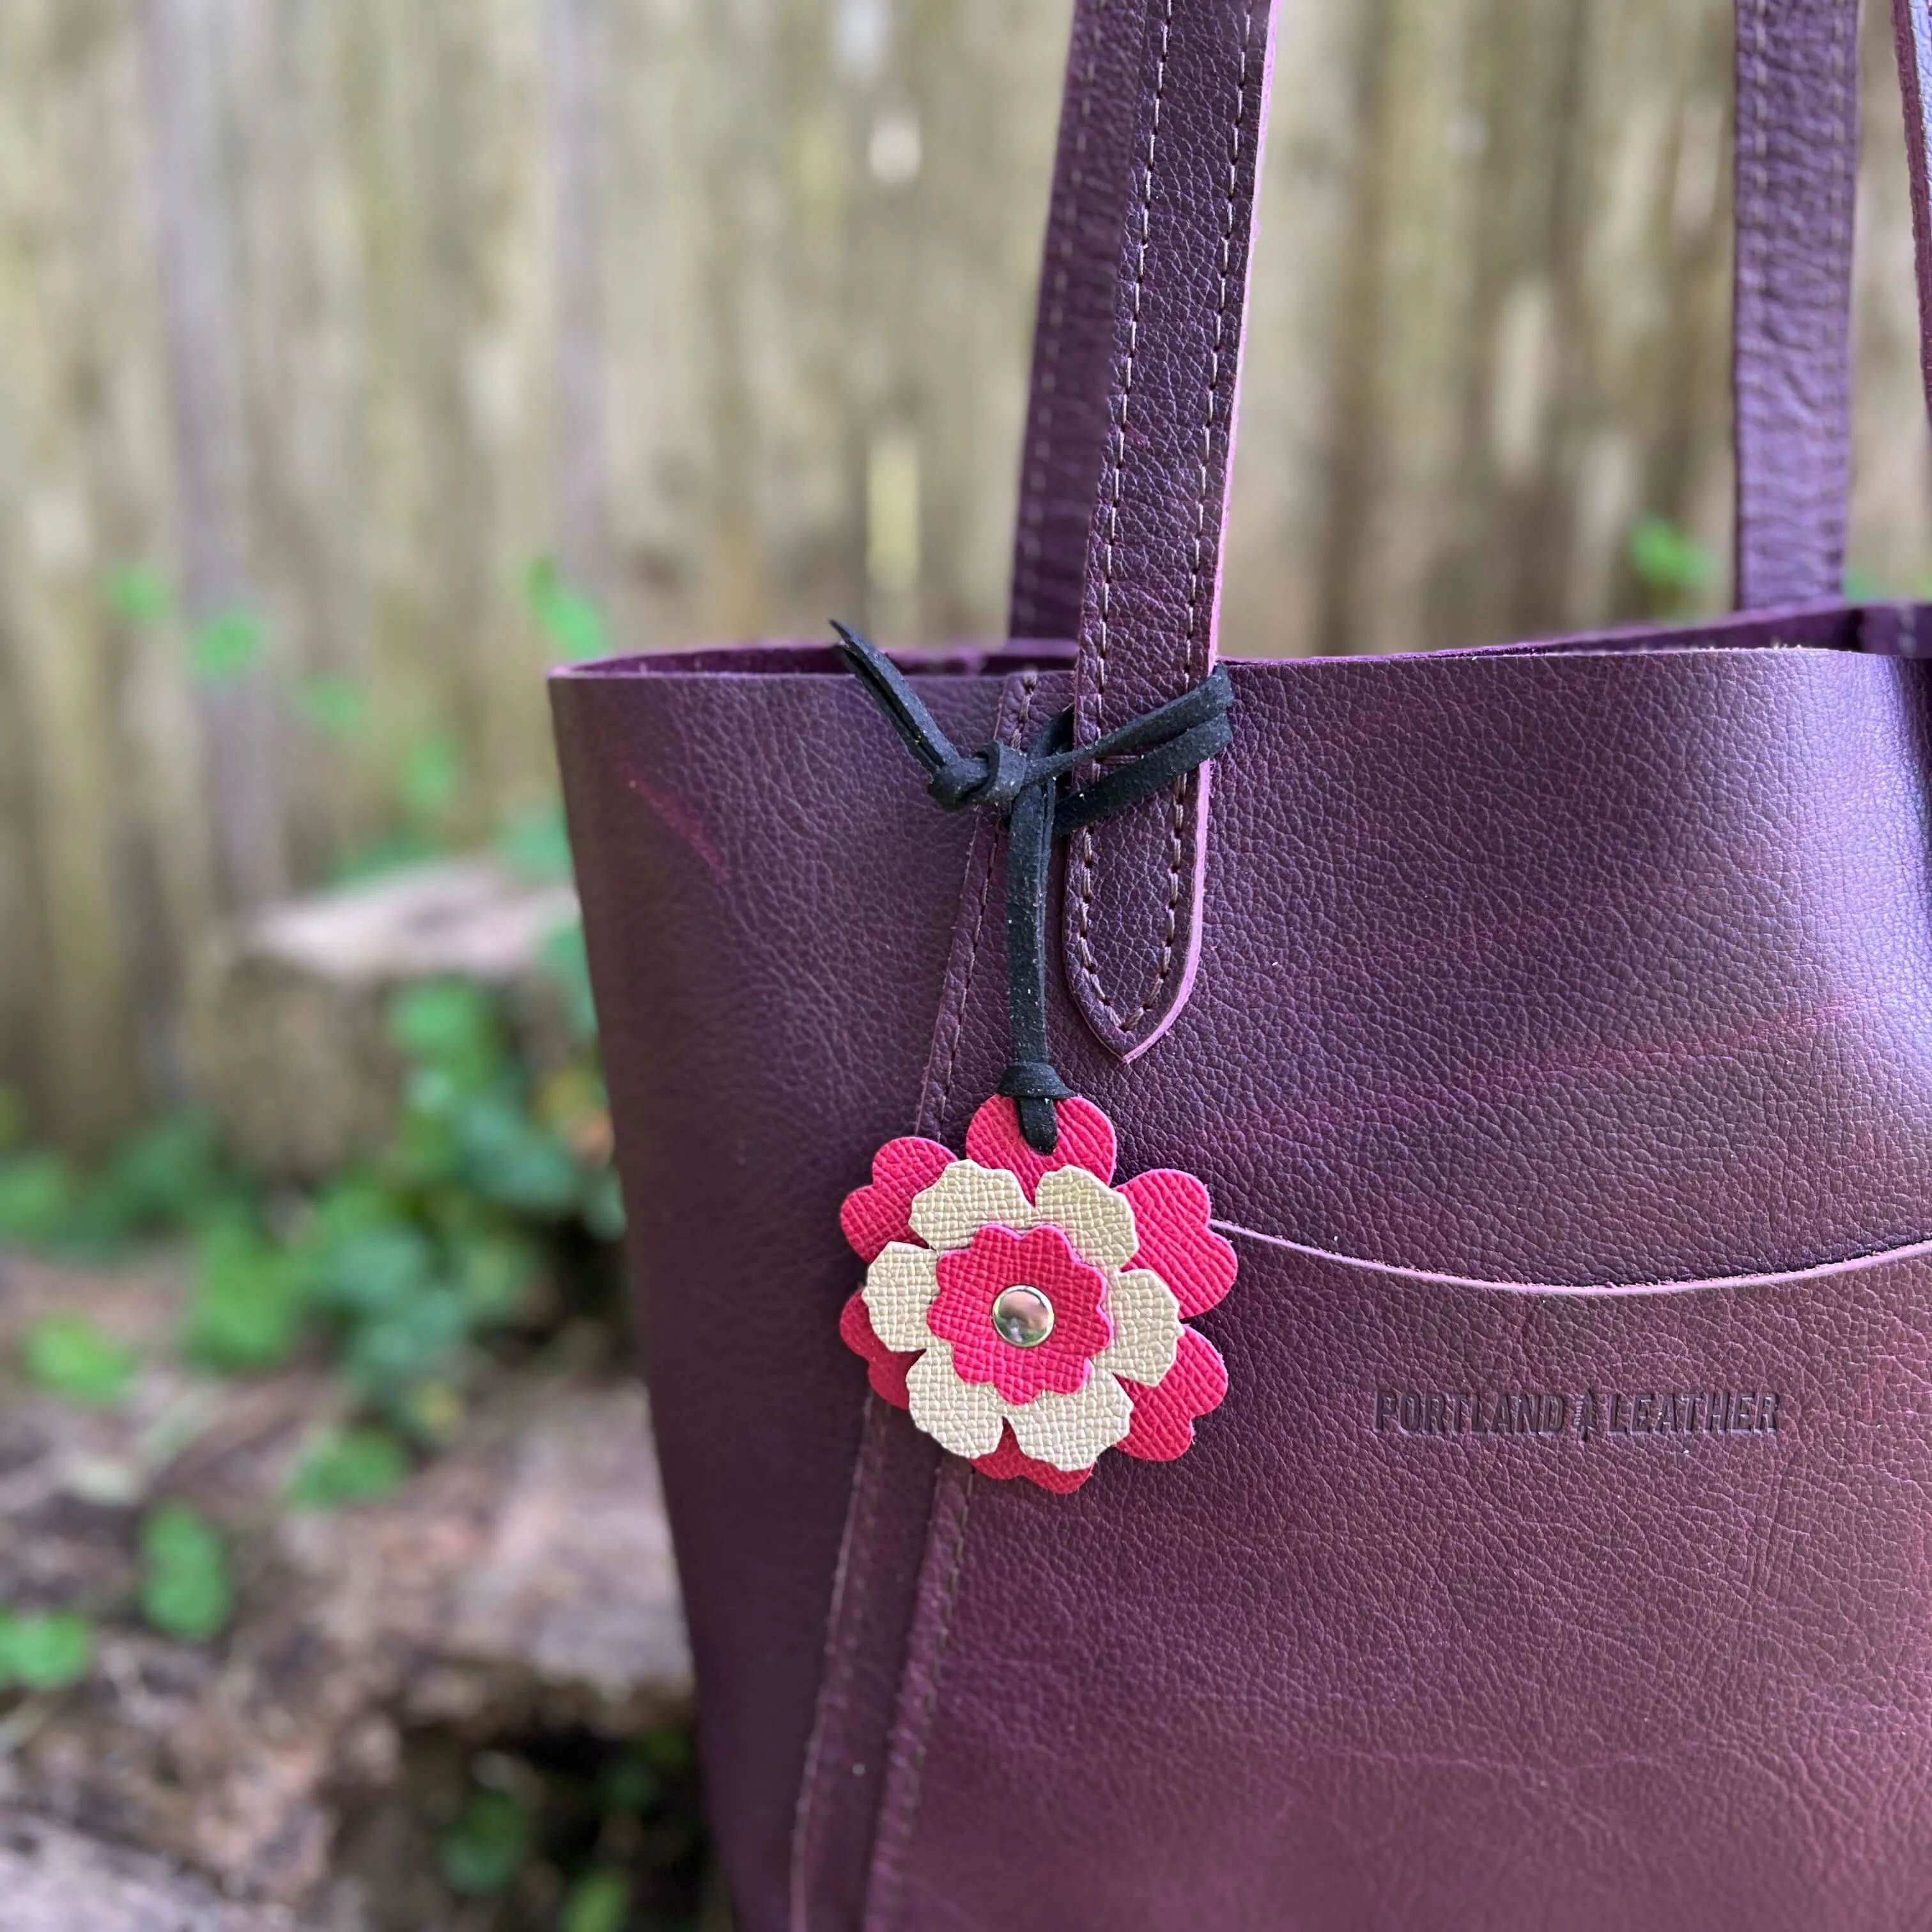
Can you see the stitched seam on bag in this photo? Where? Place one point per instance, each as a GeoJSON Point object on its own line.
{"type": "Point", "coordinates": [1119, 428]}
{"type": "Point", "coordinates": [847, 1616]}
{"type": "Point", "coordinates": [1186, 791]}
{"type": "Point", "coordinates": [846, 1622]}
{"type": "Point", "coordinates": [1033, 513]}
{"type": "Point", "coordinates": [890, 1865]}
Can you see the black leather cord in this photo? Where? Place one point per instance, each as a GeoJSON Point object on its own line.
{"type": "Point", "coordinates": [1023, 787]}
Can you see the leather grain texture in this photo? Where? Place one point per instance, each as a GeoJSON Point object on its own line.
{"type": "Point", "coordinates": [1559, 1060]}
{"type": "Point", "coordinates": [1073, 329]}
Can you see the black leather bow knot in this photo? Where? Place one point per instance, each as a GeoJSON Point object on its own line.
{"type": "Point", "coordinates": [1023, 787]}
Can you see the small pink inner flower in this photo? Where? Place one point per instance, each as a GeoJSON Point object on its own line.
{"type": "Point", "coordinates": [973, 1280]}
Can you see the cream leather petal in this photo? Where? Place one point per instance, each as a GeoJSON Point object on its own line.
{"type": "Point", "coordinates": [968, 1197]}
{"type": "Point", "coordinates": [1147, 1327]}
{"type": "Point", "coordinates": [899, 1288]}
{"type": "Point", "coordinates": [1070, 1431]}
{"type": "Point", "coordinates": [961, 1416]}
{"type": "Point", "coordinates": [1098, 1222]}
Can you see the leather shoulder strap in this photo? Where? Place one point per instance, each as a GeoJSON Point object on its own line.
{"type": "Point", "coordinates": [1130, 428]}
{"type": "Point", "coordinates": [1795, 177]}
{"type": "Point", "coordinates": [1911, 35]}
{"type": "Point", "coordinates": [1152, 577]}
{"type": "Point", "coordinates": [1073, 325]}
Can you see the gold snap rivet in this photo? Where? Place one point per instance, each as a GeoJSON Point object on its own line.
{"type": "Point", "coordinates": [1023, 1316]}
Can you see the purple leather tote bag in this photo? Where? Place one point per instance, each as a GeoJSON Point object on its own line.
{"type": "Point", "coordinates": [1552, 1026]}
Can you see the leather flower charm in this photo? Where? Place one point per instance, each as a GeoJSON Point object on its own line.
{"type": "Point", "coordinates": [1030, 1315]}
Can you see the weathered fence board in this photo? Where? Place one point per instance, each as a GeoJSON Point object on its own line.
{"type": "Point", "coordinates": [341, 313]}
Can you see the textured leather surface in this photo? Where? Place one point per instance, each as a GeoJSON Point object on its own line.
{"type": "Point", "coordinates": [1526, 974]}
{"type": "Point", "coordinates": [1073, 327]}
{"type": "Point", "coordinates": [769, 923]}
{"type": "Point", "coordinates": [1795, 179]}
{"type": "Point", "coordinates": [1911, 41]}
{"type": "Point", "coordinates": [1131, 924]}
{"type": "Point", "coordinates": [1652, 1000]}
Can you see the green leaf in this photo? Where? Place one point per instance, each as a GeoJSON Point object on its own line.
{"type": "Point", "coordinates": [666, 1747]}
{"type": "Point", "coordinates": [630, 1782]}
{"type": "Point", "coordinates": [1669, 560]}
{"type": "Point", "coordinates": [604, 1205]}
{"type": "Point", "coordinates": [246, 1303]}
{"type": "Point", "coordinates": [569, 620]}
{"type": "Point", "coordinates": [185, 1590]}
{"type": "Point", "coordinates": [38, 1195]}
{"type": "Point", "coordinates": [431, 778]}
{"type": "Point", "coordinates": [600, 1902]}
{"type": "Point", "coordinates": [382, 1356]}
{"type": "Point", "coordinates": [534, 842]}
{"type": "Point", "coordinates": [377, 1269]}
{"type": "Point", "coordinates": [335, 706]}
{"type": "Point", "coordinates": [510, 1159]}
{"type": "Point", "coordinates": [484, 1850]}
{"type": "Point", "coordinates": [389, 854]}
{"type": "Point", "coordinates": [496, 1272]}
{"type": "Point", "coordinates": [48, 1651]}
{"type": "Point", "coordinates": [358, 1466]}
{"type": "Point", "coordinates": [138, 594]}
{"type": "Point", "coordinates": [67, 1355]}
{"type": "Point", "coordinates": [169, 1175]}
{"type": "Point", "coordinates": [226, 646]}
{"type": "Point", "coordinates": [450, 1023]}
{"type": "Point", "coordinates": [565, 959]}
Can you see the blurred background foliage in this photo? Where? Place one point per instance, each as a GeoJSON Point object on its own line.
{"type": "Point", "coordinates": [363, 360]}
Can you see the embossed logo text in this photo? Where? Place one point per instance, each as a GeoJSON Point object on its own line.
{"type": "Point", "coordinates": [1587, 1414]}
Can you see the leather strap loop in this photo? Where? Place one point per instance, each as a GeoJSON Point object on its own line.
{"type": "Point", "coordinates": [1152, 576]}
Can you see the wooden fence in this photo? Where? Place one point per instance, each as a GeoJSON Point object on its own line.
{"type": "Point", "coordinates": [320, 320]}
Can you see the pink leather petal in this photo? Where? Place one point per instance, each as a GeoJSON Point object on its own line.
{"type": "Point", "coordinates": [875, 1217]}
{"type": "Point", "coordinates": [886, 1370]}
{"type": "Point", "coordinates": [1164, 1415]}
{"type": "Point", "coordinates": [1086, 1140]}
{"type": "Point", "coordinates": [1010, 1460]}
{"type": "Point", "coordinates": [1171, 1217]}
{"type": "Point", "coordinates": [971, 1279]}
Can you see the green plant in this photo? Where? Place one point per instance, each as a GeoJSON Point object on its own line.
{"type": "Point", "coordinates": [67, 1355]}
{"type": "Point", "coordinates": [50, 1651]}
{"type": "Point", "coordinates": [630, 1782]}
{"type": "Point", "coordinates": [248, 1298]}
{"type": "Point", "coordinates": [185, 1588]}
{"type": "Point", "coordinates": [1670, 563]}
{"type": "Point", "coordinates": [354, 1465]}
{"type": "Point", "coordinates": [337, 707]}
{"type": "Point", "coordinates": [599, 1902]}
{"type": "Point", "coordinates": [485, 1847]}
{"type": "Point", "coordinates": [534, 842]}
{"type": "Point", "coordinates": [226, 645]}
{"type": "Point", "coordinates": [38, 1193]}
{"type": "Point", "coordinates": [570, 621]}
{"type": "Point", "coordinates": [140, 595]}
